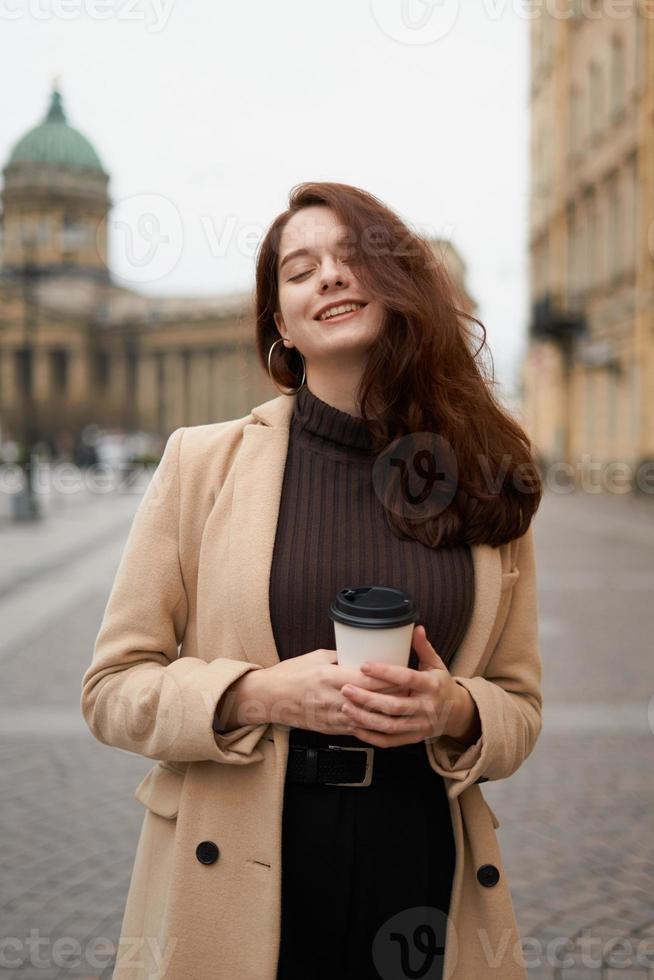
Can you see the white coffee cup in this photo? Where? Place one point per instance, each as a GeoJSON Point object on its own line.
{"type": "Point", "coordinates": [355, 646]}
{"type": "Point", "coordinates": [373, 622]}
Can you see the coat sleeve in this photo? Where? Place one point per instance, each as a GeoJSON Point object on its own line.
{"type": "Point", "coordinates": [508, 696]}
{"type": "Point", "coordinates": [138, 694]}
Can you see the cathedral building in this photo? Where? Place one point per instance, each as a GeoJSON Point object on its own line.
{"type": "Point", "coordinates": [78, 348]}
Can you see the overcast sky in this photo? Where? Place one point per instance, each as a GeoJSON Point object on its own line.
{"type": "Point", "coordinates": [205, 115]}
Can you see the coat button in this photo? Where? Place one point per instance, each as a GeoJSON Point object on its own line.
{"type": "Point", "coordinates": [488, 875]}
{"type": "Point", "coordinates": [207, 852]}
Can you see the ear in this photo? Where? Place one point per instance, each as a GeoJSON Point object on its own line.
{"type": "Point", "coordinates": [279, 322]}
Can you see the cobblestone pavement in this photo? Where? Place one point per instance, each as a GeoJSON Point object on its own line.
{"type": "Point", "coordinates": [576, 820]}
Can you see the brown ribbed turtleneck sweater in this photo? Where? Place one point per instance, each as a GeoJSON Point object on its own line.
{"type": "Point", "coordinates": [332, 533]}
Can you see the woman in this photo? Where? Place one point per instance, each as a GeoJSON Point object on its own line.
{"type": "Point", "coordinates": [264, 853]}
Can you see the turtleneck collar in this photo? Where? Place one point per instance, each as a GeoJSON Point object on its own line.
{"type": "Point", "coordinates": [331, 424]}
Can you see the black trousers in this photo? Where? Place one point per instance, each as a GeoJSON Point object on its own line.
{"type": "Point", "coordinates": [366, 878]}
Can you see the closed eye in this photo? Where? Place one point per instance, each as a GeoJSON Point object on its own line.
{"type": "Point", "coordinates": [306, 273]}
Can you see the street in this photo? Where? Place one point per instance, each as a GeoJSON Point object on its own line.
{"type": "Point", "coordinates": [576, 827]}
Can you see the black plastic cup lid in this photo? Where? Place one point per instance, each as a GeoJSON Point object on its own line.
{"type": "Point", "coordinates": [373, 607]}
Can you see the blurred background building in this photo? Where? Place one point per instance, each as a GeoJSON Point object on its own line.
{"type": "Point", "coordinates": [588, 376]}
{"type": "Point", "coordinates": [76, 348]}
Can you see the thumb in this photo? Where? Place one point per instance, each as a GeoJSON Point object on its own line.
{"type": "Point", "coordinates": [429, 659]}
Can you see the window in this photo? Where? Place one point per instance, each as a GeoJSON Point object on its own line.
{"type": "Point", "coordinates": [581, 257]}
{"type": "Point", "coordinates": [575, 135]}
{"type": "Point", "coordinates": [59, 369]}
{"type": "Point", "coordinates": [617, 76]}
{"type": "Point", "coordinates": [640, 47]}
{"type": "Point", "coordinates": [573, 257]}
{"type": "Point", "coordinates": [29, 239]}
{"type": "Point", "coordinates": [634, 387]}
{"type": "Point", "coordinates": [101, 368]}
{"type": "Point", "coordinates": [595, 95]}
{"type": "Point", "coordinates": [23, 364]}
{"type": "Point", "coordinates": [132, 372]}
{"type": "Point", "coordinates": [631, 212]}
{"type": "Point", "coordinates": [590, 409]}
{"type": "Point", "coordinates": [591, 243]}
{"type": "Point", "coordinates": [613, 228]}
{"type": "Point", "coordinates": [547, 37]}
{"type": "Point", "coordinates": [612, 407]}
{"type": "Point", "coordinates": [73, 233]}
{"type": "Point", "coordinates": [43, 231]}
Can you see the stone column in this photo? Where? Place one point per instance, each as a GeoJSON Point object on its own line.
{"type": "Point", "coordinates": [146, 391]}
{"type": "Point", "coordinates": [220, 384]}
{"type": "Point", "coordinates": [118, 386]}
{"type": "Point", "coordinates": [79, 376]}
{"type": "Point", "coordinates": [173, 391]}
{"type": "Point", "coordinates": [41, 380]}
{"type": "Point", "coordinates": [8, 386]}
{"type": "Point", "coordinates": [200, 383]}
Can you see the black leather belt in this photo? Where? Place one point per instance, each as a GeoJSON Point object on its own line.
{"type": "Point", "coordinates": [345, 765]}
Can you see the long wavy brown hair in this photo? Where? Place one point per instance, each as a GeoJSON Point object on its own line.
{"type": "Point", "coordinates": [425, 394]}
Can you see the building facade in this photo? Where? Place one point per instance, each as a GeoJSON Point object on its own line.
{"type": "Point", "coordinates": [77, 348]}
{"type": "Point", "coordinates": [588, 375]}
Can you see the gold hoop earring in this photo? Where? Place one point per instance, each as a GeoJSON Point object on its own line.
{"type": "Point", "coordinates": [304, 370]}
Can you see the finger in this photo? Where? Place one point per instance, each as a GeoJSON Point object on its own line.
{"type": "Point", "coordinates": [379, 687]}
{"type": "Point", "coordinates": [372, 721]}
{"type": "Point", "coordinates": [378, 722]}
{"type": "Point", "coordinates": [393, 674]}
{"type": "Point", "coordinates": [381, 724]}
{"type": "Point", "coordinates": [402, 692]}
{"type": "Point", "coordinates": [388, 704]}
{"type": "Point", "coordinates": [383, 741]}
{"type": "Point", "coordinates": [352, 675]}
{"type": "Point", "coordinates": [427, 655]}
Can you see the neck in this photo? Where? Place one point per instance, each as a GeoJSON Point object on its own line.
{"type": "Point", "coordinates": [336, 388]}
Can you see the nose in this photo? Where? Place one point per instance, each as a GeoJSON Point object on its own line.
{"type": "Point", "coordinates": [331, 274]}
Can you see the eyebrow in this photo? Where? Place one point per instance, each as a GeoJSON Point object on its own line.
{"type": "Point", "coordinates": [305, 251]}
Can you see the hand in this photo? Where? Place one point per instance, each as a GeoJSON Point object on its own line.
{"type": "Point", "coordinates": [435, 703]}
{"type": "Point", "coordinates": [305, 692]}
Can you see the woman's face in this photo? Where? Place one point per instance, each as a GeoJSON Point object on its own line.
{"type": "Point", "coordinates": [319, 277]}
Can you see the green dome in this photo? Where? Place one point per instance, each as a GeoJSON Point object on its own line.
{"type": "Point", "coordinates": [55, 143]}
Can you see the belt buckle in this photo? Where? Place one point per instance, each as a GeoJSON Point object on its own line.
{"type": "Point", "coordinates": [369, 750]}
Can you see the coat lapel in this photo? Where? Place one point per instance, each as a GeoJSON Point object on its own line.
{"type": "Point", "coordinates": [259, 473]}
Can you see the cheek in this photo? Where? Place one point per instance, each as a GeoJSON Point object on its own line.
{"type": "Point", "coordinates": [376, 312]}
{"type": "Point", "coordinates": [292, 308]}
{"type": "Point", "coordinates": [374, 318]}
{"type": "Point", "coordinates": [297, 303]}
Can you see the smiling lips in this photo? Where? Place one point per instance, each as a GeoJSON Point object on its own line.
{"type": "Point", "coordinates": [339, 312]}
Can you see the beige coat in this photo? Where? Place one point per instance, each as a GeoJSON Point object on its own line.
{"type": "Point", "coordinates": [195, 571]}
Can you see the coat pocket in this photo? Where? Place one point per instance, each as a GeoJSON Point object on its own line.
{"type": "Point", "coordinates": [161, 789]}
{"type": "Point", "coordinates": [496, 822]}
